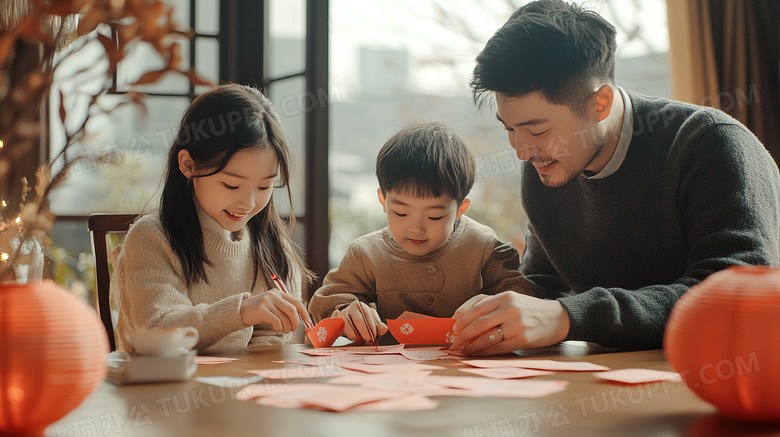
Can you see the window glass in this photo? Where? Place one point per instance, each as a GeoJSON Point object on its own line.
{"type": "Point", "coordinates": [123, 162]}
{"type": "Point", "coordinates": [181, 13]}
{"type": "Point", "coordinates": [207, 17]}
{"type": "Point", "coordinates": [207, 61]}
{"type": "Point", "coordinates": [287, 37]}
{"type": "Point", "coordinates": [291, 100]}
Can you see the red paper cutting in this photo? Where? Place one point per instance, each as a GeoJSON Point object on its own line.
{"type": "Point", "coordinates": [414, 328]}
{"type": "Point", "coordinates": [326, 332]}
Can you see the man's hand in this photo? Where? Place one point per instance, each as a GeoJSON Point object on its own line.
{"type": "Point", "coordinates": [490, 325]}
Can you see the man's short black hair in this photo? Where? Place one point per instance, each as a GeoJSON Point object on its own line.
{"type": "Point", "coordinates": [556, 48]}
{"type": "Point", "coordinates": [426, 160]}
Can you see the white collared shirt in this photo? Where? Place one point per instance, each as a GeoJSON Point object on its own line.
{"type": "Point", "coordinates": [212, 224]}
{"type": "Point", "coordinates": [625, 139]}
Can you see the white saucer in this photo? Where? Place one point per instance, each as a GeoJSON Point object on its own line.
{"type": "Point", "coordinates": [126, 369]}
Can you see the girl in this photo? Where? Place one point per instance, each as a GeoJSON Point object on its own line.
{"type": "Point", "coordinates": [206, 257]}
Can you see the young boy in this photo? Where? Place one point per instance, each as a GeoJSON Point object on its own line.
{"type": "Point", "coordinates": [430, 258]}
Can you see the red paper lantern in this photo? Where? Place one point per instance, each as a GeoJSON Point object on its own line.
{"type": "Point", "coordinates": [723, 336]}
{"type": "Point", "coordinates": [52, 355]}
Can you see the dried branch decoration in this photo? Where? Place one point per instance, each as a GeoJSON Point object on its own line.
{"type": "Point", "coordinates": [31, 33]}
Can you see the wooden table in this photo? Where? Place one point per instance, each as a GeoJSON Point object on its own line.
{"type": "Point", "coordinates": [587, 407]}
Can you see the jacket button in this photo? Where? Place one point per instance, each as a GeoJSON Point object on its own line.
{"type": "Point", "coordinates": [429, 300]}
{"type": "Point", "coordinates": [432, 270]}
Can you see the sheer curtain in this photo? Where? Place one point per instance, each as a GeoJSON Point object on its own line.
{"type": "Point", "coordinates": [726, 53]}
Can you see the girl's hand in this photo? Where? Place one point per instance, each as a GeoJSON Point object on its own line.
{"type": "Point", "coordinates": [277, 308]}
{"type": "Point", "coordinates": [374, 325]}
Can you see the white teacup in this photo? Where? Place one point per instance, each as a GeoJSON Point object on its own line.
{"type": "Point", "coordinates": [161, 341]}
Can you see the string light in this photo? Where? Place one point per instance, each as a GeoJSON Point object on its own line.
{"type": "Point", "coordinates": [1, 144]}
{"type": "Point", "coordinates": [4, 256]}
{"type": "Point", "coordinates": [18, 220]}
{"type": "Point", "coordinates": [3, 204]}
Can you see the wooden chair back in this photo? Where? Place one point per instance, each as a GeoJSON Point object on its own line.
{"type": "Point", "coordinates": [100, 226]}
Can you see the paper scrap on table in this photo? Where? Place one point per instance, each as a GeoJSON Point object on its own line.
{"type": "Point", "coordinates": [400, 403]}
{"type": "Point", "coordinates": [421, 387]}
{"type": "Point", "coordinates": [385, 359]}
{"type": "Point", "coordinates": [639, 376]}
{"type": "Point", "coordinates": [415, 328]}
{"type": "Point", "coordinates": [507, 372]}
{"type": "Point", "coordinates": [369, 350]}
{"type": "Point", "coordinates": [372, 368]}
{"type": "Point", "coordinates": [455, 393]}
{"type": "Point", "coordinates": [347, 397]}
{"type": "Point", "coordinates": [321, 360]}
{"type": "Point", "coordinates": [255, 391]}
{"type": "Point", "coordinates": [317, 396]}
{"type": "Point", "coordinates": [427, 353]}
{"type": "Point", "coordinates": [301, 372]}
{"type": "Point", "coordinates": [203, 360]}
{"type": "Point", "coordinates": [304, 372]}
{"type": "Point", "coordinates": [229, 381]}
{"type": "Point", "coordinates": [324, 352]}
{"type": "Point", "coordinates": [343, 398]}
{"type": "Point", "coordinates": [359, 378]}
{"type": "Point", "coordinates": [560, 366]}
{"type": "Point", "coordinates": [500, 388]}
{"type": "Point", "coordinates": [353, 350]}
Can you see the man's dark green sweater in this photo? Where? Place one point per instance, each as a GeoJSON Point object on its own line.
{"type": "Point", "coordinates": [696, 193]}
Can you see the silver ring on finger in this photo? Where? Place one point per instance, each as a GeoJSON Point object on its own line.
{"type": "Point", "coordinates": [492, 337]}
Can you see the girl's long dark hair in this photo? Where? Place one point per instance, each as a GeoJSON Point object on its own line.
{"type": "Point", "coordinates": [218, 124]}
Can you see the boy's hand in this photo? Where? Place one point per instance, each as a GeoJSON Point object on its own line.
{"type": "Point", "coordinates": [278, 309]}
{"type": "Point", "coordinates": [374, 324]}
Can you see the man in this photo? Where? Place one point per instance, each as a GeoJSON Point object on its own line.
{"type": "Point", "coordinates": [631, 199]}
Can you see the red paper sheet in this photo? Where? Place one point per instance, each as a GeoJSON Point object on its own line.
{"type": "Point", "coordinates": [414, 328]}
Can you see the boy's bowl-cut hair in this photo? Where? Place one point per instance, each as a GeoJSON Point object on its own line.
{"type": "Point", "coordinates": [426, 160]}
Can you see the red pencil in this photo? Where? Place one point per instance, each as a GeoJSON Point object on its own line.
{"type": "Point", "coordinates": [365, 321]}
{"type": "Point", "coordinates": [281, 287]}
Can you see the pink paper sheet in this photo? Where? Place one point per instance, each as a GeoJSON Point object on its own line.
{"type": "Point", "coordinates": [369, 350]}
{"type": "Point", "coordinates": [263, 389]}
{"type": "Point", "coordinates": [385, 359]}
{"type": "Point", "coordinates": [301, 372]}
{"type": "Point", "coordinates": [359, 378]}
{"type": "Point", "coordinates": [427, 353]}
{"type": "Point", "coordinates": [561, 366]}
{"type": "Point", "coordinates": [506, 372]}
{"type": "Point", "coordinates": [322, 397]}
{"type": "Point", "coordinates": [342, 398]}
{"type": "Point", "coordinates": [639, 376]}
{"type": "Point", "coordinates": [204, 360]}
{"type": "Point", "coordinates": [321, 352]}
{"type": "Point", "coordinates": [327, 360]}
{"type": "Point", "coordinates": [500, 388]}
{"type": "Point", "coordinates": [372, 368]}
{"type": "Point", "coordinates": [400, 403]}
